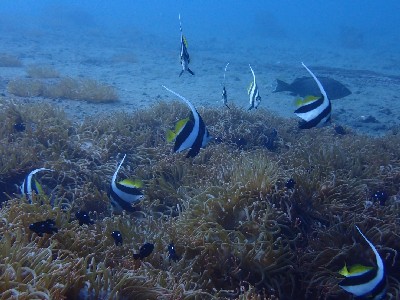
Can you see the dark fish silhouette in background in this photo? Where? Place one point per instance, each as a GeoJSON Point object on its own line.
{"type": "Point", "coordinates": [144, 251]}
{"type": "Point", "coordinates": [305, 86]}
{"type": "Point", "coordinates": [42, 227]}
{"type": "Point", "coordinates": [83, 218]}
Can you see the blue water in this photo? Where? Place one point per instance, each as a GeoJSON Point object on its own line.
{"type": "Point", "coordinates": [254, 22]}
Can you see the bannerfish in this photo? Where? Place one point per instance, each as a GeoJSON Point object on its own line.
{"type": "Point", "coordinates": [83, 218]}
{"type": "Point", "coordinates": [125, 193]}
{"type": "Point", "coordinates": [144, 251]}
{"type": "Point", "coordinates": [172, 252]}
{"type": "Point", "coordinates": [184, 55]}
{"type": "Point", "coordinates": [30, 185]}
{"type": "Point", "coordinates": [190, 132]}
{"type": "Point", "coordinates": [255, 98]}
{"type": "Point", "coordinates": [365, 282]}
{"type": "Point", "coordinates": [224, 93]}
{"type": "Point", "coordinates": [117, 236]}
{"type": "Point", "coordinates": [42, 227]}
{"type": "Point", "coordinates": [316, 112]}
{"type": "Point", "coordinates": [305, 86]}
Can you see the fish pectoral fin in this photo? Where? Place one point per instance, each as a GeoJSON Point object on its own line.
{"type": "Point", "coordinates": [354, 270]}
{"type": "Point", "coordinates": [39, 187]}
{"type": "Point", "coordinates": [343, 271]}
{"type": "Point", "coordinates": [171, 135]}
{"type": "Point", "coordinates": [135, 183]}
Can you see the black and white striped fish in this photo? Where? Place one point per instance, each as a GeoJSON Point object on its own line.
{"type": "Point", "coordinates": [224, 93]}
{"type": "Point", "coordinates": [184, 55]}
{"type": "Point", "coordinates": [191, 133]}
{"type": "Point", "coordinates": [124, 193]}
{"type": "Point", "coordinates": [30, 184]}
{"type": "Point", "coordinates": [317, 112]}
{"type": "Point", "coordinates": [255, 98]}
{"type": "Point", "coordinates": [366, 283]}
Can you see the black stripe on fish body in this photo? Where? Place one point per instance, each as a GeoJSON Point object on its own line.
{"type": "Point", "coordinates": [359, 279]}
{"type": "Point", "coordinates": [29, 186]}
{"type": "Point", "coordinates": [123, 204]}
{"type": "Point", "coordinates": [129, 190]}
{"type": "Point", "coordinates": [376, 292]}
{"type": "Point", "coordinates": [379, 291]}
{"type": "Point", "coordinates": [310, 106]}
{"type": "Point", "coordinates": [195, 149]}
{"type": "Point", "coordinates": [254, 96]}
{"type": "Point", "coordinates": [322, 118]}
{"type": "Point", "coordinates": [184, 52]}
{"type": "Point", "coordinates": [184, 134]}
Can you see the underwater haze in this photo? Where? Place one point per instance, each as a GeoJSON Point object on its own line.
{"type": "Point", "coordinates": [354, 24]}
{"type": "Point", "coordinates": [199, 149]}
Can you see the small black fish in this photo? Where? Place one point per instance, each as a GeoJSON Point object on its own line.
{"type": "Point", "coordinates": [380, 196]}
{"type": "Point", "coordinates": [305, 86]}
{"type": "Point", "coordinates": [339, 129]}
{"type": "Point", "coordinates": [144, 251]}
{"type": "Point", "coordinates": [117, 237]}
{"type": "Point", "coordinates": [83, 218]}
{"type": "Point", "coordinates": [172, 253]}
{"type": "Point", "coordinates": [290, 183]}
{"type": "Point", "coordinates": [240, 142]}
{"type": "Point", "coordinates": [19, 126]}
{"type": "Point", "coordinates": [42, 227]}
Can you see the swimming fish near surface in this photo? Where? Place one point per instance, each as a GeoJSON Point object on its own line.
{"type": "Point", "coordinates": [365, 282]}
{"type": "Point", "coordinates": [190, 132]}
{"type": "Point", "coordinates": [124, 193]}
{"type": "Point", "coordinates": [184, 54]}
{"type": "Point", "coordinates": [144, 251]}
{"type": "Point", "coordinates": [42, 227]}
{"type": "Point", "coordinates": [224, 93]}
{"type": "Point", "coordinates": [117, 236]}
{"type": "Point", "coordinates": [30, 184]}
{"type": "Point", "coordinates": [83, 217]}
{"type": "Point", "coordinates": [255, 98]}
{"type": "Point", "coordinates": [305, 86]}
{"type": "Point", "coordinates": [316, 112]}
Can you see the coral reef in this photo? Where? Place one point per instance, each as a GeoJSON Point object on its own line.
{"type": "Point", "coordinates": [239, 231]}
